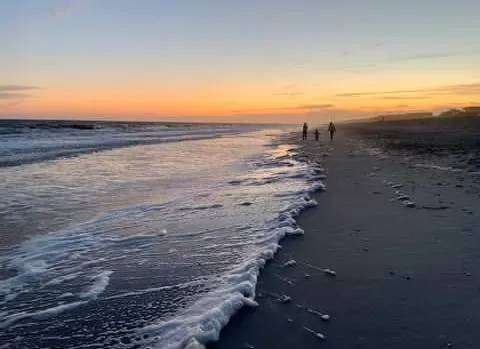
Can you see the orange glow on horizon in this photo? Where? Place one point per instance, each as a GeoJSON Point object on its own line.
{"type": "Point", "coordinates": [247, 102]}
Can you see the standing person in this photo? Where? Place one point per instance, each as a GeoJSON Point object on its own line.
{"type": "Point", "coordinates": [305, 131]}
{"type": "Point", "coordinates": [316, 134]}
{"type": "Point", "coordinates": [332, 129]}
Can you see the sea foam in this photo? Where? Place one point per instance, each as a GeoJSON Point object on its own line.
{"type": "Point", "coordinates": [202, 322]}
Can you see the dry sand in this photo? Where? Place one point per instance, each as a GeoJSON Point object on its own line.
{"type": "Point", "coordinates": [406, 277]}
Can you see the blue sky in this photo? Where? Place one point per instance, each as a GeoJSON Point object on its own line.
{"type": "Point", "coordinates": [212, 57]}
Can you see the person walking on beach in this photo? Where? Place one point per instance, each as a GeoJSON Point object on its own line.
{"type": "Point", "coordinates": [317, 134]}
{"type": "Point", "coordinates": [305, 131]}
{"type": "Point", "coordinates": [332, 129]}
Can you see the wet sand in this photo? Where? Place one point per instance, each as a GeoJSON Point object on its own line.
{"type": "Point", "coordinates": [401, 234]}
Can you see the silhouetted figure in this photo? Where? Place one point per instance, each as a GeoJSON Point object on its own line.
{"type": "Point", "coordinates": [332, 129]}
{"type": "Point", "coordinates": [317, 134]}
{"type": "Point", "coordinates": [305, 131]}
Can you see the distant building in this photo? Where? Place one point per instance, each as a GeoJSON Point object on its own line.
{"type": "Point", "coordinates": [406, 116]}
{"type": "Point", "coordinates": [450, 113]}
{"type": "Point", "coordinates": [475, 110]}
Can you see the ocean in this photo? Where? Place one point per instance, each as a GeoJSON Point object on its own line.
{"type": "Point", "coordinates": [131, 235]}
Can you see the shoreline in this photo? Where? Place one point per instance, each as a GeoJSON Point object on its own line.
{"type": "Point", "coordinates": [405, 275]}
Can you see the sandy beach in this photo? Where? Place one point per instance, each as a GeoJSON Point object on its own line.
{"type": "Point", "coordinates": [390, 254]}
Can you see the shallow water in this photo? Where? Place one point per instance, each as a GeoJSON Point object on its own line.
{"type": "Point", "coordinates": [146, 246]}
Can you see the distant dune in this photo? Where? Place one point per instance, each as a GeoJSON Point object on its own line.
{"type": "Point", "coordinates": [467, 112]}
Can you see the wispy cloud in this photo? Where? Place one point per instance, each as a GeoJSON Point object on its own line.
{"type": "Point", "coordinates": [361, 94]}
{"type": "Point", "coordinates": [312, 106]}
{"type": "Point", "coordinates": [289, 94]}
{"type": "Point", "coordinates": [12, 88]}
{"type": "Point", "coordinates": [466, 89]}
{"type": "Point", "coordinates": [13, 95]}
{"type": "Point", "coordinates": [399, 98]}
{"type": "Point", "coordinates": [298, 108]}
{"type": "Point", "coordinates": [436, 55]}
{"type": "Point", "coordinates": [425, 56]}
{"type": "Point", "coordinates": [288, 90]}
{"type": "Point", "coordinates": [11, 104]}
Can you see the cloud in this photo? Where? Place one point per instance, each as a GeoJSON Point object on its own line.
{"type": "Point", "coordinates": [13, 95]}
{"type": "Point", "coordinates": [287, 110]}
{"type": "Point", "coordinates": [11, 104]}
{"type": "Point", "coordinates": [398, 98]}
{"type": "Point", "coordinates": [426, 56]}
{"type": "Point", "coordinates": [313, 106]}
{"type": "Point", "coordinates": [288, 90]}
{"type": "Point", "coordinates": [10, 88]}
{"type": "Point", "coordinates": [436, 55]}
{"type": "Point", "coordinates": [361, 94]}
{"type": "Point", "coordinates": [290, 94]}
{"type": "Point", "coordinates": [448, 89]}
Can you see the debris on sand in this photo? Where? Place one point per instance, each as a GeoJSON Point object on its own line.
{"type": "Point", "coordinates": [324, 317]}
{"type": "Point", "coordinates": [307, 276]}
{"type": "Point", "coordinates": [403, 197]}
{"type": "Point", "coordinates": [246, 203]}
{"type": "Point", "coordinates": [248, 346]}
{"type": "Point", "coordinates": [409, 204]}
{"type": "Point", "coordinates": [435, 208]}
{"type": "Point", "coordinates": [284, 299]}
{"type": "Point", "coordinates": [330, 272]}
{"type": "Point", "coordinates": [289, 264]}
{"type": "Point", "coordinates": [318, 335]}
{"type": "Point", "coordinates": [314, 312]}
{"type": "Point", "coordinates": [289, 320]}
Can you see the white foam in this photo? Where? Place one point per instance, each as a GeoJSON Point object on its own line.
{"type": "Point", "coordinates": [330, 272]}
{"type": "Point", "coordinates": [290, 263]}
{"type": "Point", "coordinates": [61, 279]}
{"type": "Point", "coordinates": [101, 282]}
{"type": "Point", "coordinates": [409, 204]}
{"type": "Point", "coordinates": [439, 168]}
{"type": "Point", "coordinates": [202, 322]}
{"type": "Point", "coordinates": [39, 314]}
{"type": "Point", "coordinates": [318, 335]}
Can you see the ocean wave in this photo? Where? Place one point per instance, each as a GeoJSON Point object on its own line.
{"type": "Point", "coordinates": [165, 270]}
{"type": "Point", "coordinates": [23, 143]}
{"type": "Point", "coordinates": [202, 322]}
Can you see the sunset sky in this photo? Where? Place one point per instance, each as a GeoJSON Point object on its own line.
{"type": "Point", "coordinates": [249, 60]}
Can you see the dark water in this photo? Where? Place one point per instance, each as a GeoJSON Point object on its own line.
{"type": "Point", "coordinates": [151, 245]}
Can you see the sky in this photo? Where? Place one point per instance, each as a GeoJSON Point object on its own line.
{"type": "Point", "coordinates": [229, 60]}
